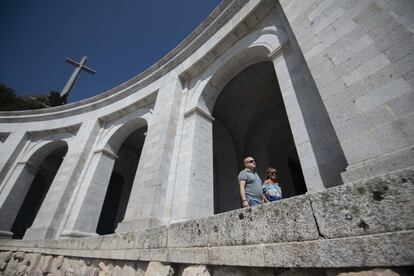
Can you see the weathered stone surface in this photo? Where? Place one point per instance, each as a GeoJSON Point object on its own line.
{"type": "Point", "coordinates": [37, 272]}
{"type": "Point", "coordinates": [118, 254]}
{"type": "Point", "coordinates": [126, 240]}
{"type": "Point", "coordinates": [68, 265]}
{"type": "Point", "coordinates": [20, 269]}
{"type": "Point", "coordinates": [131, 254]}
{"type": "Point", "coordinates": [81, 267]}
{"type": "Point", "coordinates": [11, 265]}
{"type": "Point", "coordinates": [151, 238]}
{"type": "Point", "coordinates": [57, 263]}
{"type": "Point", "coordinates": [250, 255]}
{"type": "Point", "coordinates": [140, 270]}
{"type": "Point", "coordinates": [109, 242]}
{"type": "Point", "coordinates": [287, 220]}
{"type": "Point", "coordinates": [242, 271]}
{"type": "Point", "coordinates": [228, 271]}
{"type": "Point", "coordinates": [200, 270]}
{"type": "Point", "coordinates": [196, 255]}
{"type": "Point", "coordinates": [381, 204]}
{"type": "Point", "coordinates": [70, 272]}
{"type": "Point", "coordinates": [93, 243]}
{"type": "Point", "coordinates": [57, 273]}
{"type": "Point", "coordinates": [5, 256]}
{"type": "Point", "coordinates": [3, 265]}
{"type": "Point", "coordinates": [152, 254]}
{"type": "Point", "coordinates": [32, 261]}
{"type": "Point", "coordinates": [302, 272]}
{"type": "Point", "coordinates": [370, 250]}
{"type": "Point", "coordinates": [19, 255]}
{"type": "Point", "coordinates": [46, 263]}
{"type": "Point", "coordinates": [128, 270]}
{"type": "Point", "coordinates": [374, 272]}
{"type": "Point", "coordinates": [158, 269]}
{"type": "Point", "coordinates": [117, 271]}
{"type": "Point", "coordinates": [91, 271]}
{"type": "Point", "coordinates": [107, 270]}
{"type": "Point", "coordinates": [101, 265]}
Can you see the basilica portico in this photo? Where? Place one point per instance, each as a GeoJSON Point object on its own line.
{"type": "Point", "coordinates": [166, 146]}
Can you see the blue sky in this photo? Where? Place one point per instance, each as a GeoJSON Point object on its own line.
{"type": "Point", "coordinates": [120, 37]}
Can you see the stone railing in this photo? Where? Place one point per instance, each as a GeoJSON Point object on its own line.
{"type": "Point", "coordinates": [364, 224]}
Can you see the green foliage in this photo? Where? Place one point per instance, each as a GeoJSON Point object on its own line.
{"type": "Point", "coordinates": [55, 99]}
{"type": "Point", "coordinates": [8, 99]}
{"type": "Point", "coordinates": [10, 102]}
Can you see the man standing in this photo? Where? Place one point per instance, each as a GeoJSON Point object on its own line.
{"type": "Point", "coordinates": [250, 184]}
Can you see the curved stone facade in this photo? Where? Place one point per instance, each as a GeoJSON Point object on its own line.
{"type": "Point", "coordinates": [323, 90]}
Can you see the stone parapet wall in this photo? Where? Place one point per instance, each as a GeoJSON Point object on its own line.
{"type": "Point", "coordinates": [363, 224]}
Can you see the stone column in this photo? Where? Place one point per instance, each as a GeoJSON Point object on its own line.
{"type": "Point", "coordinates": [17, 185]}
{"type": "Point", "coordinates": [295, 115]}
{"type": "Point", "coordinates": [194, 196]}
{"type": "Point", "coordinates": [85, 211]}
{"type": "Point", "coordinates": [10, 149]}
{"type": "Point", "coordinates": [51, 213]}
{"type": "Point", "coordinates": [146, 203]}
{"type": "Point", "coordinates": [317, 144]}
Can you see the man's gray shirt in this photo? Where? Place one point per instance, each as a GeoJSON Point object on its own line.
{"type": "Point", "coordinates": [253, 184]}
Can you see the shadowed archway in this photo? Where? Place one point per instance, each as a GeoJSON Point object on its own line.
{"type": "Point", "coordinates": [43, 178]}
{"type": "Point", "coordinates": [250, 118]}
{"type": "Point", "coordinates": [120, 183]}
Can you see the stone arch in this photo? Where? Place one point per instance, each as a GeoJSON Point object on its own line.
{"type": "Point", "coordinates": [110, 209]}
{"type": "Point", "coordinates": [253, 48]}
{"type": "Point", "coordinates": [128, 152]}
{"type": "Point", "coordinates": [98, 180]}
{"type": "Point", "coordinates": [252, 108]}
{"type": "Point", "coordinates": [198, 122]}
{"type": "Point", "coordinates": [321, 164]}
{"type": "Point", "coordinates": [39, 150]}
{"type": "Point", "coordinates": [118, 131]}
{"type": "Point", "coordinates": [31, 178]}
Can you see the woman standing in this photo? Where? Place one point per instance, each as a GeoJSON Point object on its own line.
{"type": "Point", "coordinates": [271, 189]}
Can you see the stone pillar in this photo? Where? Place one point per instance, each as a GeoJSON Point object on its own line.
{"type": "Point", "coordinates": [85, 211]}
{"type": "Point", "coordinates": [10, 149]}
{"type": "Point", "coordinates": [194, 195]}
{"type": "Point", "coordinates": [296, 118]}
{"type": "Point", "coordinates": [51, 213]}
{"type": "Point", "coordinates": [13, 194]}
{"type": "Point", "coordinates": [146, 203]}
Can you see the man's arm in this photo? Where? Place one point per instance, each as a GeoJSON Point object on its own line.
{"type": "Point", "coordinates": [242, 184]}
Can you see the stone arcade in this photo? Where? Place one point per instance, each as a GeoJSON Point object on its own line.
{"type": "Point", "coordinates": [320, 89]}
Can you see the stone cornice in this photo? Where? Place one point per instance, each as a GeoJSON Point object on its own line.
{"type": "Point", "coordinates": [31, 168]}
{"type": "Point", "coordinates": [107, 153]}
{"type": "Point", "coordinates": [65, 130]}
{"type": "Point", "coordinates": [198, 111]}
{"type": "Point", "coordinates": [279, 51]}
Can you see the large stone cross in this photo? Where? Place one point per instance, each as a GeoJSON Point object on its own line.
{"type": "Point", "coordinates": [75, 75]}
